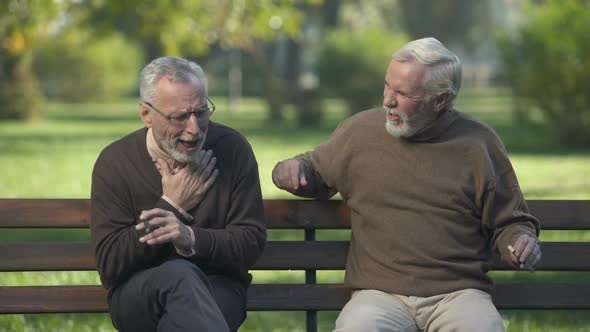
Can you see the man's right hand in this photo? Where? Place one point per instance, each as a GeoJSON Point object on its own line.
{"type": "Point", "coordinates": [289, 175]}
{"type": "Point", "coordinates": [190, 184]}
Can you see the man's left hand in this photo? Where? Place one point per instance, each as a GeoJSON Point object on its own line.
{"type": "Point", "coordinates": [168, 229]}
{"type": "Point", "coordinates": [526, 250]}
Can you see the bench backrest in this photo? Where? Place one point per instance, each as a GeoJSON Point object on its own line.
{"type": "Point", "coordinates": [308, 254]}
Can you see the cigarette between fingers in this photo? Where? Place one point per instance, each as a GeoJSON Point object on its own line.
{"type": "Point", "coordinates": [526, 263]}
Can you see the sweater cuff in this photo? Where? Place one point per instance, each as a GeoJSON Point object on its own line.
{"type": "Point", "coordinates": [203, 246]}
{"type": "Point", "coordinates": [191, 252]}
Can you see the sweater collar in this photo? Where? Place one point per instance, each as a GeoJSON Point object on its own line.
{"type": "Point", "coordinates": [436, 128]}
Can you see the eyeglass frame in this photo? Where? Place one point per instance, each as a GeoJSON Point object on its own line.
{"type": "Point", "coordinates": [181, 114]}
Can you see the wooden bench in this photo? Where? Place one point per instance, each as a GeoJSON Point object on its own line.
{"type": "Point", "coordinates": [308, 255]}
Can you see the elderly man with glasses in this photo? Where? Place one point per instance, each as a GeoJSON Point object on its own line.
{"type": "Point", "coordinates": [176, 211]}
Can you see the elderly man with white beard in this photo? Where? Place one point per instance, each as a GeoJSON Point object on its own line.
{"type": "Point", "coordinates": [432, 195]}
{"type": "Point", "coordinates": [176, 211]}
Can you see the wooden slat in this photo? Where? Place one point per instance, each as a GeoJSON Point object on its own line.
{"type": "Point", "coordinates": [562, 214]}
{"type": "Point", "coordinates": [306, 214]}
{"type": "Point", "coordinates": [52, 299]}
{"type": "Point", "coordinates": [278, 255]}
{"type": "Point", "coordinates": [280, 214]}
{"type": "Point", "coordinates": [542, 296]}
{"type": "Point", "coordinates": [41, 213]}
{"type": "Point", "coordinates": [331, 255]}
{"type": "Point", "coordinates": [302, 255]}
{"type": "Point", "coordinates": [46, 256]}
{"type": "Point", "coordinates": [84, 299]}
{"type": "Point", "coordinates": [297, 297]}
{"type": "Point", "coordinates": [557, 256]}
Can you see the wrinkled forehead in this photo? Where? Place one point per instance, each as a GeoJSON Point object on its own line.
{"type": "Point", "coordinates": [409, 74]}
{"type": "Point", "coordinates": [187, 79]}
{"type": "Point", "coordinates": [186, 89]}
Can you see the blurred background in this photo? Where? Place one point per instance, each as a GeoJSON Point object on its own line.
{"type": "Point", "coordinates": [285, 73]}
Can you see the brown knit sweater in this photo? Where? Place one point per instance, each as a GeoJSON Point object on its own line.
{"type": "Point", "coordinates": [427, 211]}
{"type": "Point", "coordinates": [228, 223]}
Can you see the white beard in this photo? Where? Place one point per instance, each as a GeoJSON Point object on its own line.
{"type": "Point", "coordinates": [409, 125]}
{"type": "Point", "coordinates": [180, 156]}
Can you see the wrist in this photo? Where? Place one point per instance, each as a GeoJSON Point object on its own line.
{"type": "Point", "coordinates": [177, 206]}
{"type": "Point", "coordinates": [187, 251]}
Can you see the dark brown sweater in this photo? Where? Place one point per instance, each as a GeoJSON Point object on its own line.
{"type": "Point", "coordinates": [228, 223]}
{"type": "Point", "coordinates": [427, 211]}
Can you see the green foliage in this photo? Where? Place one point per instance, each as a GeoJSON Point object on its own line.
{"type": "Point", "coordinates": [19, 91]}
{"type": "Point", "coordinates": [21, 24]}
{"type": "Point", "coordinates": [547, 63]}
{"type": "Point", "coordinates": [191, 27]}
{"type": "Point", "coordinates": [352, 65]}
{"type": "Point", "coordinates": [465, 22]}
{"type": "Point", "coordinates": [78, 66]}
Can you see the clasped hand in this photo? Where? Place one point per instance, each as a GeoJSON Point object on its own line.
{"type": "Point", "coordinates": [188, 186]}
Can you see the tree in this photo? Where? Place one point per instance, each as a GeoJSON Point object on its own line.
{"type": "Point", "coordinates": [464, 22]}
{"type": "Point", "coordinates": [193, 27]}
{"type": "Point", "coordinates": [187, 27]}
{"type": "Point", "coordinates": [547, 63]}
{"type": "Point", "coordinates": [353, 63]}
{"type": "Point", "coordinates": [22, 22]}
{"type": "Point", "coordinates": [354, 56]}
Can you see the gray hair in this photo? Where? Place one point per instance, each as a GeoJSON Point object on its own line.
{"type": "Point", "coordinates": [179, 69]}
{"type": "Point", "coordinates": [444, 75]}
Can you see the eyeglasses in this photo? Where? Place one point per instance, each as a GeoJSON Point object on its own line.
{"type": "Point", "coordinates": [180, 118]}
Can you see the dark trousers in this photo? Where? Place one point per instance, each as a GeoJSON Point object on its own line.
{"type": "Point", "coordinates": [178, 296]}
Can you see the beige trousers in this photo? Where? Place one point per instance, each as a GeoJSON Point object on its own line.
{"type": "Point", "coordinates": [376, 311]}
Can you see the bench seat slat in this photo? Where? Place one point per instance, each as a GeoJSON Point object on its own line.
{"type": "Point", "coordinates": [280, 214]}
{"type": "Point", "coordinates": [275, 297]}
{"type": "Point", "coordinates": [278, 255]}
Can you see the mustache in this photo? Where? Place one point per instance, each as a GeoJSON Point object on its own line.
{"type": "Point", "coordinates": [396, 112]}
{"type": "Point", "coordinates": [197, 138]}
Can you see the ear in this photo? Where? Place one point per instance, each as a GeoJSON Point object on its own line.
{"type": "Point", "coordinates": [146, 115]}
{"type": "Point", "coordinates": [441, 102]}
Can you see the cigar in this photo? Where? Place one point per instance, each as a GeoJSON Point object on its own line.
{"type": "Point", "coordinates": [526, 263]}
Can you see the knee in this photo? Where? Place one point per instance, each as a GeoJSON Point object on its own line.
{"type": "Point", "coordinates": [176, 272]}
{"type": "Point", "coordinates": [179, 267]}
{"type": "Point", "coordinates": [363, 319]}
{"type": "Point", "coordinates": [371, 319]}
{"type": "Point", "coordinates": [469, 310]}
{"type": "Point", "coordinates": [486, 323]}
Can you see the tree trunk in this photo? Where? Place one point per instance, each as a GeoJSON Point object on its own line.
{"type": "Point", "coordinates": [20, 96]}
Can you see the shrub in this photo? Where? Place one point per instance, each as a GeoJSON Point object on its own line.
{"type": "Point", "coordinates": [19, 89]}
{"type": "Point", "coordinates": [547, 63]}
{"type": "Point", "coordinates": [78, 66]}
{"type": "Point", "coordinates": [352, 65]}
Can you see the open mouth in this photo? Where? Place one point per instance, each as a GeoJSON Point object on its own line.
{"type": "Point", "coordinates": [394, 119]}
{"type": "Point", "coordinates": [188, 144]}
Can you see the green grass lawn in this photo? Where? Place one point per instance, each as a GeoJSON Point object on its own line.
{"type": "Point", "coordinates": [54, 157]}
